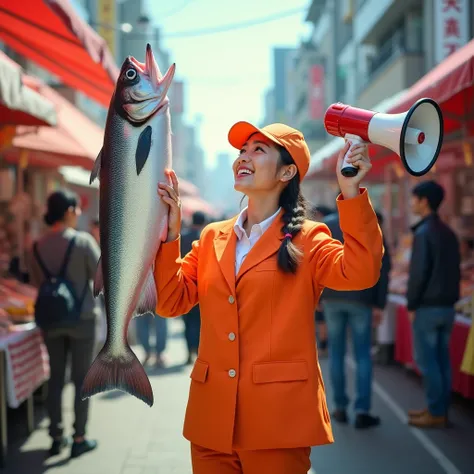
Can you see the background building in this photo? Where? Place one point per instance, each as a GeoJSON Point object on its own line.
{"type": "Point", "coordinates": [219, 187]}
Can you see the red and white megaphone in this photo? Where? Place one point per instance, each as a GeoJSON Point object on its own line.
{"type": "Point", "coordinates": [415, 136]}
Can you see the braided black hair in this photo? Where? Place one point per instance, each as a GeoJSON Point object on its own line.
{"type": "Point", "coordinates": [294, 206]}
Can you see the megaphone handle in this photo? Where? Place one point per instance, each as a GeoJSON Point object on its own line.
{"type": "Point", "coordinates": [348, 170]}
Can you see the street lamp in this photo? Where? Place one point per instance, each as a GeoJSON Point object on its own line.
{"type": "Point", "coordinates": [126, 27]}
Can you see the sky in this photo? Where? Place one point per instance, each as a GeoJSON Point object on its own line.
{"type": "Point", "coordinates": [226, 74]}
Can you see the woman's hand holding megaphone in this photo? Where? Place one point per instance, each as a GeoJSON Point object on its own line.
{"type": "Point", "coordinates": [359, 157]}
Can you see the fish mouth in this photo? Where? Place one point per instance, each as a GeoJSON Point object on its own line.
{"type": "Point", "coordinates": [140, 99]}
{"type": "Point", "coordinates": [142, 109]}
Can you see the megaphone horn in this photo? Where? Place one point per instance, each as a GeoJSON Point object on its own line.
{"type": "Point", "coordinates": [415, 136]}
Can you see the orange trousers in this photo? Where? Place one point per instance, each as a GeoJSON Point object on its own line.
{"type": "Point", "coordinates": [274, 461]}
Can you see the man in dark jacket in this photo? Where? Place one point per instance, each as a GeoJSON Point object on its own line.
{"type": "Point", "coordinates": [360, 310]}
{"type": "Point", "coordinates": [192, 320]}
{"type": "Point", "coordinates": [433, 290]}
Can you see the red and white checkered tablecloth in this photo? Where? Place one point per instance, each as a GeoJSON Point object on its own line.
{"type": "Point", "coordinates": [27, 364]}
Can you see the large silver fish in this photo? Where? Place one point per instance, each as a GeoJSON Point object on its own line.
{"type": "Point", "coordinates": [133, 219]}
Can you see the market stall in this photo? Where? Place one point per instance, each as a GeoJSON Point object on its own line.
{"type": "Point", "coordinates": [30, 162]}
{"type": "Point", "coordinates": [24, 363]}
{"type": "Point", "coordinates": [74, 141]}
{"type": "Point", "coordinates": [462, 383]}
{"type": "Point", "coordinates": [451, 85]}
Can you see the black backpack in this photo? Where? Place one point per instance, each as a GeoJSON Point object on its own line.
{"type": "Point", "coordinates": [57, 304]}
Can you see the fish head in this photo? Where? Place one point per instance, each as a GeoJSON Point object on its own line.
{"type": "Point", "coordinates": [141, 89]}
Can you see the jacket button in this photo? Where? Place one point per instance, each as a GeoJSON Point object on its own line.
{"type": "Point", "coordinates": [231, 336]}
{"type": "Point", "coordinates": [231, 299]}
{"type": "Point", "coordinates": [232, 373]}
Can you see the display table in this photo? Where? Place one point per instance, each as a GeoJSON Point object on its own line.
{"type": "Point", "coordinates": [24, 366]}
{"type": "Point", "coordinates": [462, 383]}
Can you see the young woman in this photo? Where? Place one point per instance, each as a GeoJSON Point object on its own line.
{"type": "Point", "coordinates": [62, 215]}
{"type": "Point", "coordinates": [257, 402]}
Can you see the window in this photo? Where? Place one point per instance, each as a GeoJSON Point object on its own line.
{"type": "Point", "coordinates": [391, 43]}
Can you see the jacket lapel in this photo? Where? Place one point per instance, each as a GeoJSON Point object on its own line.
{"type": "Point", "coordinates": [224, 246]}
{"type": "Point", "coordinates": [267, 245]}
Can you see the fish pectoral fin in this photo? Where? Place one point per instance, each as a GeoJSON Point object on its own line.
{"type": "Point", "coordinates": [96, 169]}
{"type": "Point", "coordinates": [143, 148]}
{"type": "Point", "coordinates": [148, 298]}
{"type": "Point", "coordinates": [99, 280]}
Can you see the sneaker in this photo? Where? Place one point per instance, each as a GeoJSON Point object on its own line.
{"type": "Point", "coordinates": [427, 420]}
{"type": "Point", "coordinates": [417, 413]}
{"type": "Point", "coordinates": [146, 359]}
{"type": "Point", "coordinates": [78, 449]}
{"type": "Point", "coordinates": [340, 416]}
{"type": "Point", "coordinates": [57, 445]}
{"type": "Point", "coordinates": [364, 420]}
{"type": "Point", "coordinates": [159, 362]}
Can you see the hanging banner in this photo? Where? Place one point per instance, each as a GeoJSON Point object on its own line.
{"type": "Point", "coordinates": [451, 27]}
{"type": "Point", "coordinates": [107, 22]}
{"type": "Point", "coordinates": [316, 92]}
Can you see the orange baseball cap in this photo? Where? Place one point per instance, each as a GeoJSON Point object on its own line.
{"type": "Point", "coordinates": [289, 138]}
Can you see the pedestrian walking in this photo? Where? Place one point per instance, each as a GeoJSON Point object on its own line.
{"type": "Point", "coordinates": [66, 257]}
{"type": "Point", "coordinates": [360, 311]}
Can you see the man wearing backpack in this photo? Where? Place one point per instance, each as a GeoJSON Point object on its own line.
{"type": "Point", "coordinates": [62, 265]}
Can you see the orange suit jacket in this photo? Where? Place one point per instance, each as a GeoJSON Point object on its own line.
{"type": "Point", "coordinates": [256, 383]}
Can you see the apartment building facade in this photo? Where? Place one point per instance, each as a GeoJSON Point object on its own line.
{"type": "Point", "coordinates": [376, 48]}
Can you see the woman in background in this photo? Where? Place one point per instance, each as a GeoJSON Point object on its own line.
{"type": "Point", "coordinates": [77, 341]}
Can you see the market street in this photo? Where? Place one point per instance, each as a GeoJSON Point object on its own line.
{"type": "Point", "coordinates": [135, 439]}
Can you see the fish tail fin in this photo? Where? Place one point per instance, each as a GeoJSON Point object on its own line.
{"type": "Point", "coordinates": [124, 373]}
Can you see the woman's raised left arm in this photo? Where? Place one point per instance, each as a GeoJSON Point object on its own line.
{"type": "Point", "coordinates": [356, 264]}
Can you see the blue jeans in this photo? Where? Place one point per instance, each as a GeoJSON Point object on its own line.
{"type": "Point", "coordinates": [144, 324]}
{"type": "Point", "coordinates": [339, 315]}
{"type": "Point", "coordinates": [432, 330]}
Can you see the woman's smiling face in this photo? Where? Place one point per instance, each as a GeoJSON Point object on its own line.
{"type": "Point", "coordinates": [257, 168]}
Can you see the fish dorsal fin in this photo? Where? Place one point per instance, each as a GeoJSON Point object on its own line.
{"type": "Point", "coordinates": [96, 169]}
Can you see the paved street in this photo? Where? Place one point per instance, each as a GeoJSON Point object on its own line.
{"type": "Point", "coordinates": [135, 439]}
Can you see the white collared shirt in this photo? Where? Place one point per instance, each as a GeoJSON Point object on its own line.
{"type": "Point", "coordinates": [244, 242]}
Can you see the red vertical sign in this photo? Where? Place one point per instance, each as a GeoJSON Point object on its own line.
{"type": "Point", "coordinates": [316, 92]}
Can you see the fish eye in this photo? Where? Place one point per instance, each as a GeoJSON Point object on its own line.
{"type": "Point", "coordinates": [131, 74]}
